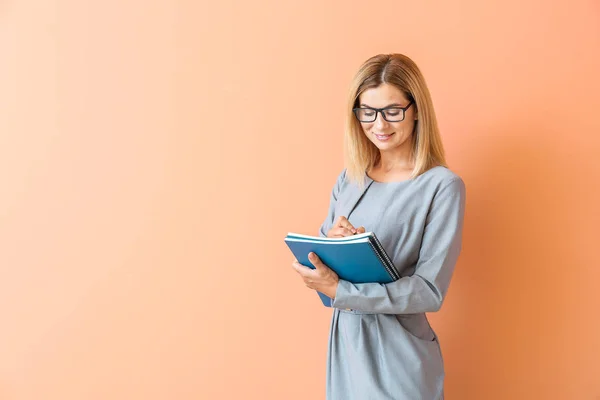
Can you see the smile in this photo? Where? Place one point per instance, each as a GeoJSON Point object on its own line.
{"type": "Point", "coordinates": [383, 138]}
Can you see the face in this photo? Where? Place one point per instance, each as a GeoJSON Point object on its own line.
{"type": "Point", "coordinates": [388, 136]}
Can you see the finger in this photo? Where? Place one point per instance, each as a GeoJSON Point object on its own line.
{"type": "Point", "coordinates": [361, 230]}
{"type": "Point", "coordinates": [346, 224]}
{"type": "Point", "coordinates": [301, 269]}
{"type": "Point", "coordinates": [341, 232]}
{"type": "Point", "coordinates": [316, 261]}
{"type": "Point", "coordinates": [321, 271]}
{"type": "Point", "coordinates": [343, 222]}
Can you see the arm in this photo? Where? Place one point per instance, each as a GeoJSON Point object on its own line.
{"type": "Point", "coordinates": [329, 220]}
{"type": "Point", "coordinates": [425, 290]}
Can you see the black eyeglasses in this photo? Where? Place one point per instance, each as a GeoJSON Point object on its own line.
{"type": "Point", "coordinates": [390, 114]}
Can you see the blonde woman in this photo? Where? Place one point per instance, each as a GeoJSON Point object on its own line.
{"type": "Point", "coordinates": [396, 183]}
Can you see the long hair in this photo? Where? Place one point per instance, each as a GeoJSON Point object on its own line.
{"type": "Point", "coordinates": [360, 153]}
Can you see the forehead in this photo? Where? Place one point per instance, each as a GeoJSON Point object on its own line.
{"type": "Point", "coordinates": [382, 96]}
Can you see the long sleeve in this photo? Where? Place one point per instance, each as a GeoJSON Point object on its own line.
{"type": "Point", "coordinates": [329, 219]}
{"type": "Point", "coordinates": [425, 290]}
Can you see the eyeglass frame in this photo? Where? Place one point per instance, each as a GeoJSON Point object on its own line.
{"type": "Point", "coordinates": [381, 110]}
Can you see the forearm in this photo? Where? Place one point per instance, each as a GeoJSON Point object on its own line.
{"type": "Point", "coordinates": [425, 289]}
{"type": "Point", "coordinates": [408, 295]}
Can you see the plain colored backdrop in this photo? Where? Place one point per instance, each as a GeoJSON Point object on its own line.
{"type": "Point", "coordinates": [153, 155]}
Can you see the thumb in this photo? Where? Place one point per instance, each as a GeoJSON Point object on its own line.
{"type": "Point", "coordinates": [361, 230]}
{"type": "Point", "coordinates": [339, 221]}
{"type": "Point", "coordinates": [315, 260]}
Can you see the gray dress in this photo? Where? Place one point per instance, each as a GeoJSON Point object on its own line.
{"type": "Point", "coordinates": [381, 345]}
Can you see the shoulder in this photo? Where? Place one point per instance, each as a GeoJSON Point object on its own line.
{"type": "Point", "coordinates": [341, 178]}
{"type": "Point", "coordinates": [441, 178]}
{"type": "Point", "coordinates": [339, 183]}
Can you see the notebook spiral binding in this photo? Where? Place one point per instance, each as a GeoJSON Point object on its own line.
{"type": "Point", "coordinates": [389, 265]}
{"type": "Point", "coordinates": [384, 262]}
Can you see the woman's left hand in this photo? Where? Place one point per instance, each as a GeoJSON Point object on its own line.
{"type": "Point", "coordinates": [322, 278]}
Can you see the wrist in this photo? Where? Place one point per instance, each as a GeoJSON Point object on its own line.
{"type": "Point", "coordinates": [333, 290]}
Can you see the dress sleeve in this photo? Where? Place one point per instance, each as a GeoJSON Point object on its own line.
{"type": "Point", "coordinates": [425, 290]}
{"type": "Point", "coordinates": [329, 220]}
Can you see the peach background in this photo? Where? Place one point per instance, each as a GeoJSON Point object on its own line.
{"type": "Point", "coordinates": [139, 139]}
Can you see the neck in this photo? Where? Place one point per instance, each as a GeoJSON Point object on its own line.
{"type": "Point", "coordinates": [399, 158]}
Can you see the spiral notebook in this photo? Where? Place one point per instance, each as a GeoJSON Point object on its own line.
{"type": "Point", "coordinates": [358, 259]}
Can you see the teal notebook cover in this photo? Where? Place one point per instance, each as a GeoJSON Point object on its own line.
{"type": "Point", "coordinates": [358, 259]}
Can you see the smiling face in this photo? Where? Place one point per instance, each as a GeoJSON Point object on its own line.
{"type": "Point", "coordinates": [388, 136]}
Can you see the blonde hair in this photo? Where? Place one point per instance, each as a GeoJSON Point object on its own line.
{"type": "Point", "coordinates": [361, 154]}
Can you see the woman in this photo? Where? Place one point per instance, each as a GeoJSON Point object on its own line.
{"type": "Point", "coordinates": [396, 184]}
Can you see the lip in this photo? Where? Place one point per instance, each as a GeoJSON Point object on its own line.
{"type": "Point", "coordinates": [383, 138]}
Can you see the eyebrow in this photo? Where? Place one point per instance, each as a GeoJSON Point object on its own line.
{"type": "Point", "coordinates": [389, 105]}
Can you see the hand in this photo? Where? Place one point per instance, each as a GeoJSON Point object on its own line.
{"type": "Point", "coordinates": [343, 227]}
{"type": "Point", "coordinates": [322, 279]}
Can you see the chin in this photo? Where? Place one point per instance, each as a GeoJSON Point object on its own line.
{"type": "Point", "coordinates": [385, 145]}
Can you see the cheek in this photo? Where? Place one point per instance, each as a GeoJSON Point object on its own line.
{"type": "Point", "coordinates": [405, 126]}
{"type": "Point", "coordinates": [366, 127]}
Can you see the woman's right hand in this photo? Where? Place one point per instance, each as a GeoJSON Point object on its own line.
{"type": "Point", "coordinates": [343, 227]}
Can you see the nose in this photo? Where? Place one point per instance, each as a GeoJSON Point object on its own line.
{"type": "Point", "coordinates": [380, 122]}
